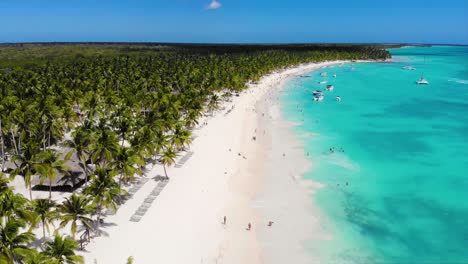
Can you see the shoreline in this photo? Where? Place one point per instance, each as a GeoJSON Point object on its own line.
{"type": "Point", "coordinates": [225, 176]}
{"type": "Point", "coordinates": [286, 195]}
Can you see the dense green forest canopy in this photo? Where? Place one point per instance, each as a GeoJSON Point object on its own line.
{"type": "Point", "coordinates": [112, 108]}
{"type": "Point", "coordinates": [21, 54]}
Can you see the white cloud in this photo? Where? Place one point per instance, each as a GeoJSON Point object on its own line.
{"type": "Point", "coordinates": [213, 5]}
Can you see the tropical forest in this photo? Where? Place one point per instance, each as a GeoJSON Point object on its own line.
{"type": "Point", "coordinates": [86, 119]}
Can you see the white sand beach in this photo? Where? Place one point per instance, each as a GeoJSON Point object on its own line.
{"type": "Point", "coordinates": [228, 174]}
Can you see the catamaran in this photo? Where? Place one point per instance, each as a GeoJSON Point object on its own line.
{"type": "Point", "coordinates": [422, 80]}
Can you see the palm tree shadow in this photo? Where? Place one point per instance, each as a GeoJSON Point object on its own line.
{"type": "Point", "coordinates": [107, 224]}
{"type": "Point", "coordinates": [101, 230]}
{"type": "Point", "coordinates": [159, 178]}
{"type": "Point", "coordinates": [38, 243]}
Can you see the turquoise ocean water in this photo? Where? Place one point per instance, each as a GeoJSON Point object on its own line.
{"type": "Point", "coordinates": [397, 180]}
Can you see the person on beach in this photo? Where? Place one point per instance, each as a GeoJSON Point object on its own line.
{"type": "Point", "coordinates": [270, 223]}
{"type": "Point", "coordinates": [224, 220]}
{"type": "Point", "coordinates": [249, 226]}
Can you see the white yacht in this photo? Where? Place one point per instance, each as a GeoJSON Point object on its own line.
{"type": "Point", "coordinates": [329, 87]}
{"type": "Point", "coordinates": [334, 75]}
{"type": "Point", "coordinates": [322, 82]}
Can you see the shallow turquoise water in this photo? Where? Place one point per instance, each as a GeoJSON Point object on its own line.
{"type": "Point", "coordinates": [405, 157]}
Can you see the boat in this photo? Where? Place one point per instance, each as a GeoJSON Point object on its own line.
{"type": "Point", "coordinates": [322, 82]}
{"type": "Point", "coordinates": [317, 93]}
{"type": "Point", "coordinates": [338, 98]}
{"type": "Point", "coordinates": [323, 74]}
{"type": "Point", "coordinates": [334, 75]}
{"type": "Point", "coordinates": [319, 97]}
{"type": "Point", "coordinates": [422, 80]}
{"type": "Point", "coordinates": [411, 68]}
{"type": "Point", "coordinates": [329, 87]}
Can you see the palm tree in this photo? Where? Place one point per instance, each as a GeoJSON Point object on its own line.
{"type": "Point", "coordinates": [13, 204]}
{"type": "Point", "coordinates": [2, 142]}
{"type": "Point", "coordinates": [74, 209]}
{"type": "Point", "coordinates": [44, 210]}
{"type": "Point", "coordinates": [50, 165]}
{"type": "Point", "coordinates": [168, 158]}
{"type": "Point", "coordinates": [104, 190]}
{"type": "Point", "coordinates": [214, 102]}
{"type": "Point", "coordinates": [181, 137]}
{"type": "Point", "coordinates": [191, 118]}
{"type": "Point", "coordinates": [63, 250]}
{"type": "Point", "coordinates": [80, 143]}
{"type": "Point", "coordinates": [105, 144]}
{"type": "Point", "coordinates": [25, 163]}
{"type": "Point", "coordinates": [126, 161]}
{"type": "Point", "coordinates": [34, 257]}
{"type": "Point", "coordinates": [3, 183]}
{"type": "Point", "coordinates": [13, 243]}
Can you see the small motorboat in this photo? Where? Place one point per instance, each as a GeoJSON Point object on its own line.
{"type": "Point", "coordinates": [411, 68]}
{"type": "Point", "coordinates": [334, 75]}
{"type": "Point", "coordinates": [329, 88]}
{"type": "Point", "coordinates": [317, 93]}
{"type": "Point", "coordinates": [319, 97]}
{"type": "Point", "coordinates": [323, 74]}
{"type": "Point", "coordinates": [322, 82]}
{"type": "Point", "coordinates": [338, 98]}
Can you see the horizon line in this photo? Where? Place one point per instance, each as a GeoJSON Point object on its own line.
{"type": "Point", "coordinates": [232, 43]}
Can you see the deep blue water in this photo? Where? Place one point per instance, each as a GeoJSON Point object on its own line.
{"type": "Point", "coordinates": [397, 180]}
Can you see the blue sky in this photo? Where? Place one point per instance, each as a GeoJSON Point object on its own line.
{"type": "Point", "coordinates": [429, 21]}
